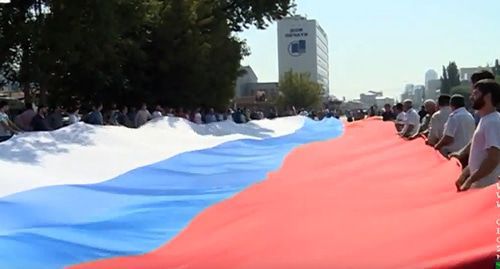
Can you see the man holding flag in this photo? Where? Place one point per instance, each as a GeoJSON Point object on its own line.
{"type": "Point", "coordinates": [484, 161]}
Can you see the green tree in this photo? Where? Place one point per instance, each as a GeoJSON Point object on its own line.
{"type": "Point", "coordinates": [176, 52]}
{"type": "Point", "coordinates": [20, 32]}
{"type": "Point", "coordinates": [104, 56]}
{"type": "Point", "coordinates": [445, 83]}
{"type": "Point", "coordinates": [194, 55]}
{"type": "Point", "coordinates": [453, 74]}
{"type": "Point", "coordinates": [450, 78]}
{"type": "Point", "coordinates": [297, 89]}
{"type": "Point", "coordinates": [190, 64]}
{"type": "Point", "coordinates": [243, 13]}
{"type": "Point", "coordinates": [496, 68]}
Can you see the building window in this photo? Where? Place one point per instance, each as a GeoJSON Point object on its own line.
{"type": "Point", "coordinates": [299, 47]}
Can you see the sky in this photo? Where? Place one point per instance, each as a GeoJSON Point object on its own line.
{"type": "Point", "coordinates": [385, 44]}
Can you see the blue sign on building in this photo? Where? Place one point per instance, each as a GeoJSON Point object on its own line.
{"type": "Point", "coordinates": [297, 48]}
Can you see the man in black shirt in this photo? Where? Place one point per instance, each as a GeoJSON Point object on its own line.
{"type": "Point", "coordinates": [388, 114]}
{"type": "Point", "coordinates": [40, 122]}
{"type": "Point", "coordinates": [55, 119]}
{"type": "Point", "coordinates": [122, 118]}
{"type": "Point", "coordinates": [422, 113]}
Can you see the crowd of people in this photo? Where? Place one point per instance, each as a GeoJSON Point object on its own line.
{"type": "Point", "coordinates": [449, 127]}
{"type": "Point", "coordinates": [43, 119]}
{"type": "Point", "coordinates": [446, 124]}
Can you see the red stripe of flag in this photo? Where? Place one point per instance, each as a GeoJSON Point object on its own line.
{"type": "Point", "coordinates": [366, 200]}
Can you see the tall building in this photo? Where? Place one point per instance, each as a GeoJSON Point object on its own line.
{"type": "Point", "coordinates": [303, 48]}
{"type": "Point", "coordinates": [418, 95]}
{"type": "Point", "coordinates": [415, 93]}
{"type": "Point", "coordinates": [432, 89]}
{"type": "Point", "coordinates": [408, 92]}
{"type": "Point", "coordinates": [430, 75]}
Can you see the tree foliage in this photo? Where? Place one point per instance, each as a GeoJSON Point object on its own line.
{"type": "Point", "coordinates": [445, 87]}
{"type": "Point", "coordinates": [496, 68]}
{"type": "Point", "coordinates": [244, 13]}
{"type": "Point", "coordinates": [298, 90]}
{"type": "Point", "coordinates": [464, 89]}
{"type": "Point", "coordinates": [20, 34]}
{"type": "Point", "coordinates": [450, 78]}
{"type": "Point", "coordinates": [453, 74]}
{"type": "Point", "coordinates": [173, 52]}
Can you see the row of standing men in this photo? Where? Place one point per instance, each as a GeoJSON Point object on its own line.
{"type": "Point", "coordinates": [456, 133]}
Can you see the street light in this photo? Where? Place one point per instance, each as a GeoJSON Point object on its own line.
{"type": "Point", "coordinates": [4, 1]}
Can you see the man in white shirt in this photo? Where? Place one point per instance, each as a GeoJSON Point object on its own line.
{"type": "Point", "coordinates": [400, 117]}
{"type": "Point", "coordinates": [484, 159]}
{"type": "Point", "coordinates": [197, 118]}
{"type": "Point", "coordinates": [7, 127]}
{"type": "Point", "coordinates": [142, 116]}
{"type": "Point", "coordinates": [73, 116]}
{"type": "Point", "coordinates": [463, 154]}
{"type": "Point", "coordinates": [412, 120]}
{"type": "Point", "coordinates": [430, 108]}
{"type": "Point", "coordinates": [459, 128]}
{"type": "Point", "coordinates": [158, 113]}
{"type": "Point", "coordinates": [436, 128]}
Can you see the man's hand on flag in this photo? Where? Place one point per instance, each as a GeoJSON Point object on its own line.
{"type": "Point", "coordinates": [466, 185]}
{"type": "Point", "coordinates": [460, 182]}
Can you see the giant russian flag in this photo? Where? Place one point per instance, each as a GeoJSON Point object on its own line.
{"type": "Point", "coordinates": [289, 193]}
{"type": "Point", "coordinates": [84, 193]}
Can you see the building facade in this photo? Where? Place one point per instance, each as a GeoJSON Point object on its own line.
{"type": "Point", "coordinates": [418, 96]}
{"type": "Point", "coordinates": [250, 92]}
{"type": "Point", "coordinates": [415, 93]}
{"type": "Point", "coordinates": [432, 89]}
{"type": "Point", "coordinates": [375, 98]}
{"type": "Point", "coordinates": [430, 75]}
{"type": "Point", "coordinates": [270, 89]}
{"type": "Point", "coordinates": [382, 101]}
{"type": "Point", "coordinates": [303, 48]}
{"type": "Point", "coordinates": [248, 76]}
{"type": "Point", "coordinates": [466, 72]}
